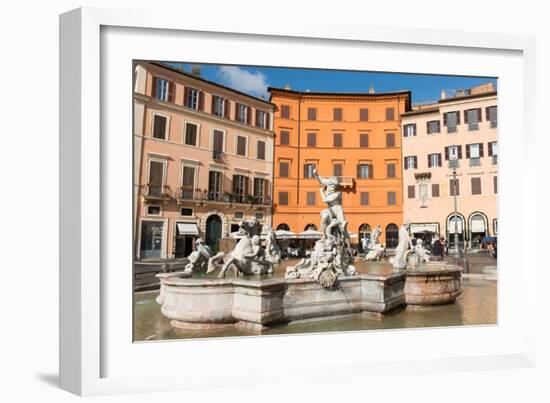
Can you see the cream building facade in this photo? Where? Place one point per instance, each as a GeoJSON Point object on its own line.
{"type": "Point", "coordinates": [457, 132]}
{"type": "Point", "coordinates": [203, 161]}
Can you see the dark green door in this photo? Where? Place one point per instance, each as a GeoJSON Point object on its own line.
{"type": "Point", "coordinates": [213, 229]}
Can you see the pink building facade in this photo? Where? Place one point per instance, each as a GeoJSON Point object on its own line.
{"type": "Point", "coordinates": [457, 132]}
{"type": "Point", "coordinates": [203, 156]}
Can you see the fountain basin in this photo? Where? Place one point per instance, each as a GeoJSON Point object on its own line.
{"type": "Point", "coordinates": [258, 304]}
{"type": "Point", "coordinates": [434, 283]}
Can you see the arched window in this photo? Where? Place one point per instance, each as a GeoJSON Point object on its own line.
{"type": "Point", "coordinates": [392, 236]}
{"type": "Point", "coordinates": [311, 227]}
{"type": "Point", "coordinates": [364, 231]}
{"type": "Point", "coordinates": [283, 227]}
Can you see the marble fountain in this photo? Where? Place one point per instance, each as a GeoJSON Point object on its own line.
{"type": "Point", "coordinates": [250, 287]}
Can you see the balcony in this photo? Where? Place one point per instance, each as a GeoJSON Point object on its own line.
{"type": "Point", "coordinates": [453, 164]}
{"type": "Point", "coordinates": [473, 126]}
{"type": "Point", "coordinates": [475, 162]}
{"type": "Point", "coordinates": [217, 155]}
{"type": "Point", "coordinates": [451, 129]}
{"type": "Point", "coordinates": [493, 124]}
{"type": "Point", "coordinates": [494, 159]}
{"type": "Point", "coordinates": [157, 193]}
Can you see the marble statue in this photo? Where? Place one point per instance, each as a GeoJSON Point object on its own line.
{"type": "Point", "coordinates": [248, 257]}
{"type": "Point", "coordinates": [417, 255]}
{"type": "Point", "coordinates": [399, 261]}
{"type": "Point", "coordinates": [198, 259]}
{"type": "Point", "coordinates": [376, 249]}
{"type": "Point", "coordinates": [332, 254]}
{"type": "Point", "coordinates": [271, 247]}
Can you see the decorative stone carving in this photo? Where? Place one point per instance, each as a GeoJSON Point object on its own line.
{"type": "Point", "coordinates": [376, 249]}
{"type": "Point", "coordinates": [248, 257]}
{"type": "Point", "coordinates": [417, 256]}
{"type": "Point", "coordinates": [332, 254]}
{"type": "Point", "coordinates": [399, 261]}
{"type": "Point", "coordinates": [272, 249]}
{"type": "Point", "coordinates": [198, 260]}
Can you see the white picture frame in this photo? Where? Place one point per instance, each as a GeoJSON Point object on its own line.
{"type": "Point", "coordinates": [95, 361]}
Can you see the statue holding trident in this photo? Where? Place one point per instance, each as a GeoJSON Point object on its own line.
{"type": "Point", "coordinates": [333, 215]}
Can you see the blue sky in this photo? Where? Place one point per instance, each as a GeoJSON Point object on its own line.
{"type": "Point", "coordinates": [254, 80]}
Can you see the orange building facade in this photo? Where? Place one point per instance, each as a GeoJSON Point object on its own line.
{"type": "Point", "coordinates": [355, 137]}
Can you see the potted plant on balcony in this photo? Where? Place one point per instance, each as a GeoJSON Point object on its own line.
{"type": "Point", "coordinates": [250, 199]}
{"type": "Point", "coordinates": [228, 198]}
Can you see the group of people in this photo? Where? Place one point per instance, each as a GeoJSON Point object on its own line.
{"type": "Point", "coordinates": [439, 247]}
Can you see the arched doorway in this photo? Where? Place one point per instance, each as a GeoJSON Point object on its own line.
{"type": "Point", "coordinates": [392, 236]}
{"type": "Point", "coordinates": [363, 232]}
{"type": "Point", "coordinates": [283, 227]}
{"type": "Point", "coordinates": [478, 229]}
{"type": "Point", "coordinates": [213, 230]}
{"type": "Point", "coordinates": [455, 225]}
{"type": "Point", "coordinates": [312, 227]}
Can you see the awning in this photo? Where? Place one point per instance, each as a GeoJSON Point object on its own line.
{"type": "Point", "coordinates": [430, 227]}
{"type": "Point", "coordinates": [478, 224]}
{"type": "Point", "coordinates": [187, 228]}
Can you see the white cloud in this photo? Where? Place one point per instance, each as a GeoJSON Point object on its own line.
{"type": "Point", "coordinates": [254, 83]}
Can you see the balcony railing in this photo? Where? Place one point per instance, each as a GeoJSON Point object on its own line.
{"type": "Point", "coordinates": [475, 162]}
{"type": "Point", "coordinates": [493, 124]}
{"type": "Point", "coordinates": [451, 129]}
{"type": "Point", "coordinates": [217, 155]}
{"type": "Point", "coordinates": [453, 163]}
{"type": "Point", "coordinates": [185, 193]}
{"type": "Point", "coordinates": [494, 159]}
{"type": "Point", "coordinates": [157, 191]}
{"type": "Point", "coordinates": [473, 126]}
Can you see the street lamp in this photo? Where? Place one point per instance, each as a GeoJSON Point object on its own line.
{"type": "Point", "coordinates": [455, 217]}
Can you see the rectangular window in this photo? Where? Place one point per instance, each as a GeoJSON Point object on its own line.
{"type": "Point", "coordinates": [308, 170]}
{"type": "Point", "coordinates": [217, 146]}
{"type": "Point", "coordinates": [390, 139]}
{"type": "Point", "coordinates": [241, 145]}
{"type": "Point", "coordinates": [259, 216]}
{"type": "Point", "coordinates": [390, 115]}
{"type": "Point", "coordinates": [390, 168]}
{"type": "Point", "coordinates": [364, 115]}
{"type": "Point", "coordinates": [285, 111]}
{"type": "Point", "coordinates": [411, 191]}
{"type": "Point", "coordinates": [156, 178]}
{"type": "Point", "coordinates": [242, 113]}
{"type": "Point", "coordinates": [283, 169]}
{"type": "Point", "coordinates": [435, 189]}
{"type": "Point", "coordinates": [364, 140]}
{"type": "Point", "coordinates": [392, 199]}
{"type": "Point", "coordinates": [285, 138]}
{"type": "Point", "coordinates": [434, 160]}
{"type": "Point", "coordinates": [240, 188]}
{"type": "Point", "coordinates": [453, 154]}
{"type": "Point", "coordinates": [218, 106]}
{"type": "Point", "coordinates": [411, 162]}
{"type": "Point", "coordinates": [159, 127]}
{"type": "Point", "coordinates": [239, 215]}
{"type": "Point", "coordinates": [495, 183]}
{"type": "Point", "coordinates": [191, 131]}
{"type": "Point", "coordinates": [311, 114]}
{"type": "Point", "coordinates": [283, 198]}
{"type": "Point", "coordinates": [214, 185]}
{"type": "Point", "coordinates": [476, 186]}
{"type": "Point", "coordinates": [364, 171]}
{"type": "Point", "coordinates": [337, 139]}
{"type": "Point", "coordinates": [491, 115]}
{"type": "Point", "coordinates": [260, 150]}
{"type": "Point", "coordinates": [337, 169]}
{"type": "Point", "coordinates": [261, 117]}
{"type": "Point", "coordinates": [311, 198]}
{"type": "Point", "coordinates": [153, 210]}
{"type": "Point", "coordinates": [259, 190]}
{"type": "Point", "coordinates": [188, 183]}
{"type": "Point", "coordinates": [409, 130]}
{"type": "Point", "coordinates": [337, 114]}
{"type": "Point", "coordinates": [493, 151]}
{"type": "Point", "coordinates": [433, 126]}
{"type": "Point", "coordinates": [185, 211]}
{"type": "Point", "coordinates": [161, 90]}
{"type": "Point", "coordinates": [451, 120]}
{"type": "Point", "coordinates": [364, 198]}
{"type": "Point", "coordinates": [312, 139]}
{"type": "Point", "coordinates": [454, 187]}
{"type": "Point", "coordinates": [472, 117]}
{"type": "Point", "coordinates": [192, 98]}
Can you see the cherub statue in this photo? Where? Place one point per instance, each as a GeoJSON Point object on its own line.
{"type": "Point", "coordinates": [198, 259]}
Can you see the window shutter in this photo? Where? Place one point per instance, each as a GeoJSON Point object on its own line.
{"type": "Point", "coordinates": [171, 91]}
{"type": "Point", "coordinates": [466, 117]}
{"type": "Point", "coordinates": [490, 149]}
{"type": "Point", "coordinates": [212, 104]}
{"type": "Point", "coordinates": [415, 162]}
{"type": "Point", "coordinates": [248, 115]}
{"type": "Point", "coordinates": [479, 115]}
{"type": "Point", "coordinates": [457, 118]}
{"type": "Point", "coordinates": [236, 114]}
{"type": "Point", "coordinates": [445, 119]}
{"type": "Point", "coordinates": [267, 121]}
{"type": "Point", "coordinates": [459, 152]}
{"type": "Point", "coordinates": [414, 129]}
{"type": "Point", "coordinates": [439, 160]}
{"type": "Point", "coordinates": [371, 171]}
{"type": "Point", "coordinates": [201, 101]}
{"type": "Point", "coordinates": [411, 191]}
{"type": "Point", "coordinates": [467, 150]}
{"type": "Point", "coordinates": [358, 170]}
{"type": "Point", "coordinates": [446, 153]}
{"type": "Point", "coordinates": [154, 89]}
{"type": "Point", "coordinates": [185, 95]}
{"type": "Point", "coordinates": [480, 150]}
{"type": "Point", "coordinates": [429, 161]}
{"type": "Point", "coordinates": [267, 188]}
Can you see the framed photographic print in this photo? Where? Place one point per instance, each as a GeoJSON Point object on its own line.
{"type": "Point", "coordinates": [233, 200]}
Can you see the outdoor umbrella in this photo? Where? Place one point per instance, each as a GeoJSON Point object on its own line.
{"type": "Point", "coordinates": [281, 233]}
{"type": "Point", "coordinates": [311, 233]}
